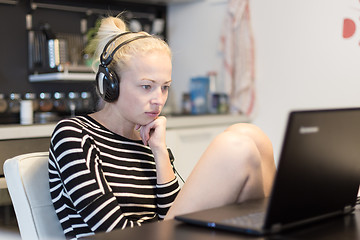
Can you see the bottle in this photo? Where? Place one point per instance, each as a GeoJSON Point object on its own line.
{"type": "Point", "coordinates": [45, 102]}
{"type": "Point", "coordinates": [213, 98]}
{"type": "Point", "coordinates": [14, 103]}
{"type": "Point", "coordinates": [59, 102]}
{"type": "Point", "coordinates": [223, 107]}
{"type": "Point", "coordinates": [74, 103]}
{"type": "Point", "coordinates": [32, 97]}
{"type": "Point", "coordinates": [186, 104]}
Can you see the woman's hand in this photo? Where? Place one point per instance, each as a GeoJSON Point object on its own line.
{"type": "Point", "coordinates": [153, 134]}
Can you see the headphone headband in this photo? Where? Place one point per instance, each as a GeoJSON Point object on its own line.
{"type": "Point", "coordinates": [109, 57]}
{"type": "Point", "coordinates": [106, 79]}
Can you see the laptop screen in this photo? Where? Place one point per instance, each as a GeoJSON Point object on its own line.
{"type": "Point", "coordinates": [319, 163]}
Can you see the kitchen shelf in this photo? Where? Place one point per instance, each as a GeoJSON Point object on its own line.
{"type": "Point", "coordinates": [13, 2]}
{"type": "Point", "coordinates": [60, 76]}
{"type": "Point", "coordinates": [158, 1]}
{"type": "Point", "coordinates": [80, 8]}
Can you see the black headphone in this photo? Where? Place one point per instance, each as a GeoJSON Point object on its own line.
{"type": "Point", "coordinates": [106, 79]}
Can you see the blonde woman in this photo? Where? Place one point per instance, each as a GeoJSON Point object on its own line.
{"type": "Point", "coordinates": [111, 169]}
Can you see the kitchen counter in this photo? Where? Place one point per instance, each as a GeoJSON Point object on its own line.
{"type": "Point", "coordinates": [203, 120]}
{"type": "Point", "coordinates": [16, 131]}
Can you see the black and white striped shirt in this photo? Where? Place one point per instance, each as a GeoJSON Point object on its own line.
{"type": "Point", "coordinates": [100, 181]}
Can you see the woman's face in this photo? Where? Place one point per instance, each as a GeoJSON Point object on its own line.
{"type": "Point", "coordinates": [144, 87]}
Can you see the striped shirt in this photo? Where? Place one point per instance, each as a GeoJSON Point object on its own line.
{"type": "Point", "coordinates": [100, 180]}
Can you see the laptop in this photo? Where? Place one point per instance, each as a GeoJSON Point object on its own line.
{"type": "Point", "coordinates": [318, 176]}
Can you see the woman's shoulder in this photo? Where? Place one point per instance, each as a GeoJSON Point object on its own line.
{"type": "Point", "coordinates": [78, 122]}
{"type": "Point", "coordinates": [74, 125]}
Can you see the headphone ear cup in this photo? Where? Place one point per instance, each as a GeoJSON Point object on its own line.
{"type": "Point", "coordinates": [107, 83]}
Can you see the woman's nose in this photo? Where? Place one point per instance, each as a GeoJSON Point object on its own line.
{"type": "Point", "coordinates": [159, 97]}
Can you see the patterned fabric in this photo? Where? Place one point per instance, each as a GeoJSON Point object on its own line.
{"type": "Point", "coordinates": [239, 58]}
{"type": "Point", "coordinates": [100, 181]}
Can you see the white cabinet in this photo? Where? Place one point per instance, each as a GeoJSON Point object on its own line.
{"type": "Point", "coordinates": [188, 144]}
{"type": "Point", "coordinates": [189, 136]}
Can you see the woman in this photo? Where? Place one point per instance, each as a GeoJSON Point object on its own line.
{"type": "Point", "coordinates": [111, 169]}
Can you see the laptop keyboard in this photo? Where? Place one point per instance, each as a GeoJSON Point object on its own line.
{"type": "Point", "coordinates": [251, 220]}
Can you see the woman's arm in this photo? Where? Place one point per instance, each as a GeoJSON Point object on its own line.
{"type": "Point", "coordinates": [153, 134]}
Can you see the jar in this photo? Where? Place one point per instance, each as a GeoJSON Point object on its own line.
{"type": "Point", "coordinates": [59, 102]}
{"type": "Point", "coordinates": [32, 97]}
{"type": "Point", "coordinates": [3, 103]}
{"type": "Point", "coordinates": [45, 102]}
{"type": "Point", "coordinates": [223, 104]}
{"type": "Point", "coordinates": [74, 103]}
{"type": "Point", "coordinates": [186, 103]}
{"type": "Point", "coordinates": [14, 103]}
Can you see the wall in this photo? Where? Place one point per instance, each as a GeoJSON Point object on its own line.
{"type": "Point", "coordinates": [193, 33]}
{"type": "Point", "coordinates": [302, 60]}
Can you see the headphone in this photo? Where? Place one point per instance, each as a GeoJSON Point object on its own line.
{"type": "Point", "coordinates": [106, 79]}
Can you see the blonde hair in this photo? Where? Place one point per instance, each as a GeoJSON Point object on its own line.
{"type": "Point", "coordinates": [111, 27]}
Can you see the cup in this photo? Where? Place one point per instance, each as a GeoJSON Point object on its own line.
{"type": "Point", "coordinates": [26, 112]}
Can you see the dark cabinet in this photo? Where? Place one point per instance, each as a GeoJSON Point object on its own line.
{"type": "Point", "coordinates": [67, 20]}
{"type": "Point", "coordinates": [59, 31]}
{"type": "Point", "coordinates": [22, 56]}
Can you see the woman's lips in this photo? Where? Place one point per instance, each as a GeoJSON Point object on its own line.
{"type": "Point", "coordinates": [152, 114]}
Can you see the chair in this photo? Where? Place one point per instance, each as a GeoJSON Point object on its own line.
{"type": "Point", "coordinates": [28, 184]}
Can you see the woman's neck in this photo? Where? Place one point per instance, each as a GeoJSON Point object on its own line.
{"type": "Point", "coordinates": [116, 124]}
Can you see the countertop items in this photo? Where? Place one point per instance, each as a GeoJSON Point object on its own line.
{"type": "Point", "coordinates": [15, 131]}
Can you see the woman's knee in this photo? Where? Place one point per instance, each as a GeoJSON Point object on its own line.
{"type": "Point", "coordinates": [264, 146]}
{"type": "Point", "coordinates": [238, 148]}
{"type": "Point", "coordinates": [252, 131]}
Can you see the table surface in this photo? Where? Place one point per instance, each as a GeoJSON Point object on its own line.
{"type": "Point", "coordinates": [343, 227]}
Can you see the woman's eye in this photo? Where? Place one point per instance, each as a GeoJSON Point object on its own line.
{"type": "Point", "coordinates": [166, 88]}
{"type": "Point", "coordinates": [146, 87]}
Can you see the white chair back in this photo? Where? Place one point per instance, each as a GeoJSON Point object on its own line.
{"type": "Point", "coordinates": [27, 180]}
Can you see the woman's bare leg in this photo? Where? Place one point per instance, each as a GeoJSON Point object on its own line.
{"type": "Point", "coordinates": [265, 149]}
{"type": "Point", "coordinates": [238, 165]}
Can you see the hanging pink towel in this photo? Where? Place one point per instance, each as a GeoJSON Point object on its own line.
{"type": "Point", "coordinates": [239, 57]}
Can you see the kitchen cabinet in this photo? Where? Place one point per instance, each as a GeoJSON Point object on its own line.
{"type": "Point", "coordinates": [19, 77]}
{"type": "Point", "coordinates": [56, 52]}
{"type": "Point", "coordinates": [188, 137]}
{"type": "Point", "coordinates": [154, 10]}
{"type": "Point", "coordinates": [188, 144]}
